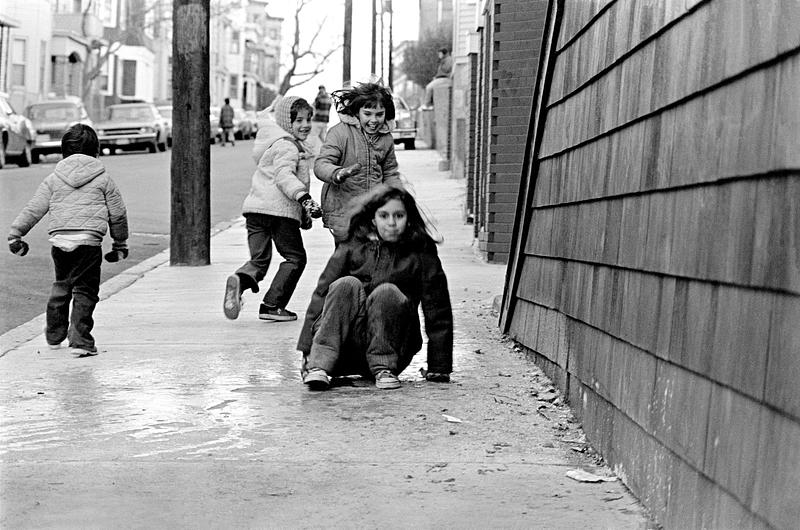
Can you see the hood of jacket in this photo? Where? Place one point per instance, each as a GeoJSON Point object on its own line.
{"type": "Point", "coordinates": [78, 170]}
{"type": "Point", "coordinates": [352, 120]}
{"type": "Point", "coordinates": [274, 124]}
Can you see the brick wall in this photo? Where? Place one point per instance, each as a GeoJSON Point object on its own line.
{"type": "Point", "coordinates": [657, 275]}
{"type": "Point", "coordinates": [510, 55]}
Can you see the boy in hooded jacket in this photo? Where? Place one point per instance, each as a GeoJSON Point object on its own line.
{"type": "Point", "coordinates": [277, 206]}
{"type": "Point", "coordinates": [83, 203]}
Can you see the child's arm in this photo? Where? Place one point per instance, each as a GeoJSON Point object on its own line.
{"type": "Point", "coordinates": [117, 213]}
{"type": "Point", "coordinates": [32, 213]}
{"type": "Point", "coordinates": [284, 165]}
{"type": "Point", "coordinates": [328, 165]}
{"type": "Point", "coordinates": [438, 316]}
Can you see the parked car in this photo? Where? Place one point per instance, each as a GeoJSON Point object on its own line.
{"type": "Point", "coordinates": [243, 126]}
{"type": "Point", "coordinates": [166, 113]}
{"type": "Point", "coordinates": [405, 131]}
{"type": "Point", "coordinates": [51, 119]}
{"type": "Point", "coordinates": [132, 126]}
{"type": "Point", "coordinates": [16, 135]}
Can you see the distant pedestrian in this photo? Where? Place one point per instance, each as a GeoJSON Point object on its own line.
{"type": "Point", "coordinates": [322, 111]}
{"type": "Point", "coordinates": [358, 153]}
{"type": "Point", "coordinates": [278, 205]}
{"type": "Point", "coordinates": [363, 316]}
{"type": "Point", "coordinates": [83, 203]}
{"type": "Point", "coordinates": [443, 72]}
{"type": "Point", "coordinates": [226, 122]}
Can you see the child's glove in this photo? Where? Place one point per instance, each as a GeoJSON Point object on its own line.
{"type": "Point", "coordinates": [311, 207]}
{"type": "Point", "coordinates": [17, 246]}
{"type": "Point", "coordinates": [347, 172]}
{"type": "Point", "coordinates": [118, 251]}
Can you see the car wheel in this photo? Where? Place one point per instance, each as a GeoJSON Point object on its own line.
{"type": "Point", "coordinates": [153, 147]}
{"type": "Point", "coordinates": [162, 146]}
{"type": "Point", "coordinates": [24, 159]}
{"type": "Point", "coordinates": [36, 157]}
{"type": "Point", "coordinates": [410, 145]}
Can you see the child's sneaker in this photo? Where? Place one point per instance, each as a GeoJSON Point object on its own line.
{"type": "Point", "coordinates": [82, 352]}
{"type": "Point", "coordinates": [386, 380]}
{"type": "Point", "coordinates": [279, 314]}
{"type": "Point", "coordinates": [233, 297]}
{"type": "Point", "coordinates": [317, 379]}
{"type": "Point", "coordinates": [54, 346]}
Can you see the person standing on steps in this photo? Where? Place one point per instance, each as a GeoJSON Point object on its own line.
{"type": "Point", "coordinates": [443, 72]}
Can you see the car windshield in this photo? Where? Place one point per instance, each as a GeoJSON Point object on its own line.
{"type": "Point", "coordinates": [53, 112]}
{"type": "Point", "coordinates": [130, 113]}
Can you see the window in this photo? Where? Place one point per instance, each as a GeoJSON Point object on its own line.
{"type": "Point", "coordinates": [234, 93]}
{"type": "Point", "coordinates": [128, 78]}
{"type": "Point", "coordinates": [235, 36]}
{"type": "Point", "coordinates": [18, 59]}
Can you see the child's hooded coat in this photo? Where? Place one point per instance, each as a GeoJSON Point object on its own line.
{"type": "Point", "coordinates": [282, 172]}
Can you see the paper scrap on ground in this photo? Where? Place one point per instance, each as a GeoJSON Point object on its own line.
{"type": "Point", "coordinates": [451, 419]}
{"type": "Point", "coordinates": [584, 476]}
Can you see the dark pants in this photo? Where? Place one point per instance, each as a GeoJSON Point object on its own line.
{"type": "Point", "coordinates": [261, 231]}
{"type": "Point", "coordinates": [360, 334]}
{"type": "Point", "coordinates": [77, 279]}
{"type": "Point", "coordinates": [227, 135]}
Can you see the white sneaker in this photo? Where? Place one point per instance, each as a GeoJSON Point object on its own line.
{"type": "Point", "coordinates": [82, 352]}
{"type": "Point", "coordinates": [386, 380]}
{"type": "Point", "coordinates": [54, 346]}
{"type": "Point", "coordinates": [232, 304]}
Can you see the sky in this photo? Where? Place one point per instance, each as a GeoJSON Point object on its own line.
{"type": "Point", "coordinates": [406, 26]}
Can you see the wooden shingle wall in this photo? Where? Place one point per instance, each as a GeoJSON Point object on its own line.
{"type": "Point", "coordinates": [659, 280]}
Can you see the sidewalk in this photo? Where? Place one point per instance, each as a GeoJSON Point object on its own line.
{"type": "Point", "coordinates": [188, 420]}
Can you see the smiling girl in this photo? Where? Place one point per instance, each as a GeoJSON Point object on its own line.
{"type": "Point", "coordinates": [358, 153]}
{"type": "Point", "coordinates": [363, 316]}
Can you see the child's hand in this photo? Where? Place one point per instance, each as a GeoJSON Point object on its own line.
{"type": "Point", "coordinates": [310, 206]}
{"type": "Point", "coordinates": [347, 172]}
{"type": "Point", "coordinates": [18, 246]}
{"type": "Point", "coordinates": [118, 251]}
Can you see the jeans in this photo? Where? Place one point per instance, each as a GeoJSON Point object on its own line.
{"type": "Point", "coordinates": [360, 334]}
{"type": "Point", "coordinates": [261, 230]}
{"type": "Point", "coordinates": [77, 279]}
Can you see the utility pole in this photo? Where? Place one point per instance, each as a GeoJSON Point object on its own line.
{"type": "Point", "coordinates": [374, 29]}
{"type": "Point", "coordinates": [383, 46]}
{"type": "Point", "coordinates": [388, 3]}
{"type": "Point", "coordinates": [348, 31]}
{"type": "Point", "coordinates": [190, 220]}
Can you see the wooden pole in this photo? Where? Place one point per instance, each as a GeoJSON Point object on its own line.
{"type": "Point", "coordinates": [374, 30]}
{"type": "Point", "coordinates": [348, 31]}
{"type": "Point", "coordinates": [190, 220]}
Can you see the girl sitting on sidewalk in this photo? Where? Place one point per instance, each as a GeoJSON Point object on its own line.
{"type": "Point", "coordinates": [358, 153]}
{"type": "Point", "coordinates": [277, 206]}
{"type": "Point", "coordinates": [363, 316]}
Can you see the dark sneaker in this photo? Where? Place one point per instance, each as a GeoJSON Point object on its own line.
{"type": "Point", "coordinates": [266, 312]}
{"type": "Point", "coordinates": [317, 379]}
{"type": "Point", "coordinates": [386, 380]}
{"type": "Point", "coordinates": [82, 352]}
{"type": "Point", "coordinates": [233, 297]}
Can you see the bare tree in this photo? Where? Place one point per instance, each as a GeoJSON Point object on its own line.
{"type": "Point", "coordinates": [305, 53]}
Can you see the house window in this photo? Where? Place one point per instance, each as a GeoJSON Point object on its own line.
{"type": "Point", "coordinates": [235, 36]}
{"type": "Point", "coordinates": [18, 59]}
{"type": "Point", "coordinates": [234, 94]}
{"type": "Point", "coordinates": [128, 78]}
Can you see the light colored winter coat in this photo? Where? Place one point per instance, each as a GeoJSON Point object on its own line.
{"type": "Point", "coordinates": [282, 172]}
{"type": "Point", "coordinates": [345, 145]}
{"type": "Point", "coordinates": [80, 197]}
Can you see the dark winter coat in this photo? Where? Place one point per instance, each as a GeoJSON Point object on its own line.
{"type": "Point", "coordinates": [416, 272]}
{"type": "Point", "coordinates": [345, 145]}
